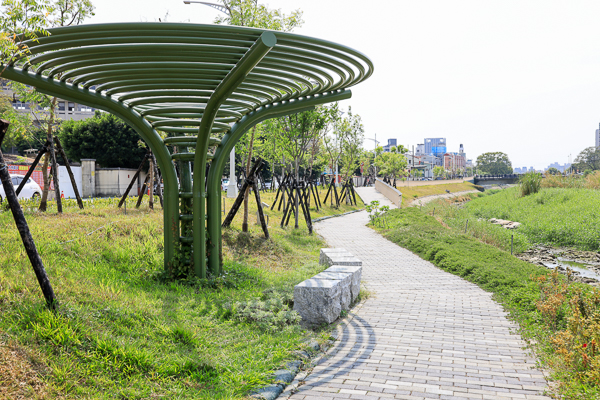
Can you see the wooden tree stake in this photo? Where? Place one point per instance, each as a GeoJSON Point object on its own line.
{"type": "Point", "coordinates": [21, 222]}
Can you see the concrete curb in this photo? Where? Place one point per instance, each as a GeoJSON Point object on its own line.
{"type": "Point", "coordinates": [335, 216]}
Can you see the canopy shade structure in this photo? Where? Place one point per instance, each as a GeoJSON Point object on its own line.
{"type": "Point", "coordinates": [190, 81]}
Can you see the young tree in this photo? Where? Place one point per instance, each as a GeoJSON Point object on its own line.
{"type": "Point", "coordinates": [496, 163]}
{"type": "Point", "coordinates": [352, 144]}
{"type": "Point", "coordinates": [254, 15]}
{"type": "Point", "coordinates": [438, 171]}
{"type": "Point", "coordinates": [392, 164]}
{"type": "Point", "coordinates": [297, 132]}
{"type": "Point", "coordinates": [28, 19]}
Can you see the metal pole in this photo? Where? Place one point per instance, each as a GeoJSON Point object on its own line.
{"type": "Point", "coordinates": [466, 225]}
{"type": "Point", "coordinates": [511, 243]}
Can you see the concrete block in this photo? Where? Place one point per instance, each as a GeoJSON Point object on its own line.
{"type": "Point", "coordinates": [345, 279]}
{"type": "Point", "coordinates": [356, 272]}
{"type": "Point", "coordinates": [323, 257]}
{"type": "Point", "coordinates": [318, 300]}
{"type": "Point", "coordinates": [342, 259]}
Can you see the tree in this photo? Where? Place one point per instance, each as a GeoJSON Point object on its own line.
{"type": "Point", "coordinates": [496, 163]}
{"type": "Point", "coordinates": [438, 171]}
{"type": "Point", "coordinates": [391, 164]}
{"type": "Point", "coordinates": [589, 158]}
{"type": "Point", "coordinates": [553, 171]}
{"type": "Point", "coordinates": [251, 14]}
{"type": "Point", "coordinates": [29, 19]}
{"type": "Point", "coordinates": [103, 137]}
{"type": "Point", "coordinates": [354, 135]}
{"type": "Point", "coordinates": [19, 123]}
{"type": "Point", "coordinates": [297, 132]}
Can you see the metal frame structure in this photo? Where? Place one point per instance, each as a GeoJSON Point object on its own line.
{"type": "Point", "coordinates": [190, 81]}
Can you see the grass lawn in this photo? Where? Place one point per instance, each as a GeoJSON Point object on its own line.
{"type": "Point", "coordinates": [556, 216]}
{"type": "Point", "coordinates": [122, 333]}
{"type": "Point", "coordinates": [410, 193]}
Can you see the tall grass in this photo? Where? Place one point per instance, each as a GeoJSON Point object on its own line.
{"type": "Point", "coordinates": [122, 332]}
{"type": "Point", "coordinates": [555, 216]}
{"type": "Point", "coordinates": [530, 183]}
{"type": "Point", "coordinates": [461, 220]}
{"type": "Point", "coordinates": [591, 181]}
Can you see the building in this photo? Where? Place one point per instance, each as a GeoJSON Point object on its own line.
{"type": "Point", "coordinates": [420, 150]}
{"type": "Point", "coordinates": [598, 137]}
{"type": "Point", "coordinates": [65, 109]}
{"type": "Point", "coordinates": [561, 168]}
{"type": "Point", "coordinates": [391, 143]}
{"type": "Point", "coordinates": [435, 146]}
{"type": "Point", "coordinates": [424, 163]}
{"type": "Point", "coordinates": [454, 162]}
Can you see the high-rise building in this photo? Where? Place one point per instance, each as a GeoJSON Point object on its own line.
{"type": "Point", "coordinates": [435, 146]}
{"type": "Point", "coordinates": [598, 137]}
{"type": "Point", "coordinates": [391, 143]}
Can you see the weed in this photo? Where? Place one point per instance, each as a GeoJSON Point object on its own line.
{"type": "Point", "coordinates": [530, 183]}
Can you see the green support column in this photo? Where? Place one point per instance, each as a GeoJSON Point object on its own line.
{"type": "Point", "coordinates": [215, 258]}
{"type": "Point", "coordinates": [259, 49]}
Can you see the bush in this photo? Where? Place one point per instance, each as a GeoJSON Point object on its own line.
{"type": "Point", "coordinates": [530, 183]}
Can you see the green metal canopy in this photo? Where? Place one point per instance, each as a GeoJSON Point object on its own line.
{"type": "Point", "coordinates": [190, 81]}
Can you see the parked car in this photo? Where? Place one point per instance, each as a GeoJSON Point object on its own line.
{"type": "Point", "coordinates": [268, 184]}
{"type": "Point", "coordinates": [224, 184]}
{"type": "Point", "coordinates": [31, 190]}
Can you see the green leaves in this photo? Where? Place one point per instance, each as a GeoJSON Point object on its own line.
{"type": "Point", "coordinates": [105, 138]}
{"type": "Point", "coordinates": [496, 163]}
{"type": "Point", "coordinates": [251, 14]}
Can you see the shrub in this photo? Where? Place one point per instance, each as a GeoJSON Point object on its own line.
{"type": "Point", "coordinates": [530, 183]}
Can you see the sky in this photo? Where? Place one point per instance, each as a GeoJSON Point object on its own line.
{"type": "Point", "coordinates": [520, 77]}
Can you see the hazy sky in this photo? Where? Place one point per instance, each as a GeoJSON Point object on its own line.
{"type": "Point", "coordinates": [522, 77]}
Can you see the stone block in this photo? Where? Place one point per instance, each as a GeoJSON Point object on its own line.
{"type": "Point", "coordinates": [318, 300]}
{"type": "Point", "coordinates": [323, 257]}
{"type": "Point", "coordinates": [345, 279]}
{"type": "Point", "coordinates": [342, 259]}
{"type": "Point", "coordinates": [356, 272]}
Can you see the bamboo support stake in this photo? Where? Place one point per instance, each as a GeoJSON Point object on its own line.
{"type": "Point", "coordinates": [135, 177]}
{"type": "Point", "coordinates": [42, 151]}
{"type": "Point", "coordinates": [69, 171]}
{"type": "Point", "coordinates": [141, 196]}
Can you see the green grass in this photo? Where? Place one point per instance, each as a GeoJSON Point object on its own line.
{"type": "Point", "coordinates": [410, 193]}
{"type": "Point", "coordinates": [121, 332]}
{"type": "Point", "coordinates": [559, 319]}
{"type": "Point", "coordinates": [556, 216]}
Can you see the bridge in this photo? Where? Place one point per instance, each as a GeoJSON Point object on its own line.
{"type": "Point", "coordinates": [496, 179]}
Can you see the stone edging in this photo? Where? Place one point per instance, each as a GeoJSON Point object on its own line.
{"type": "Point", "coordinates": [337, 215]}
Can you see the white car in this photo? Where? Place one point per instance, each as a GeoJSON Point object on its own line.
{"type": "Point", "coordinates": [31, 189]}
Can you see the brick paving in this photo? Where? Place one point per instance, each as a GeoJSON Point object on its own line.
{"type": "Point", "coordinates": [423, 334]}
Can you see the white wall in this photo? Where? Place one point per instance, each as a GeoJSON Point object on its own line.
{"type": "Point", "coordinates": [66, 187]}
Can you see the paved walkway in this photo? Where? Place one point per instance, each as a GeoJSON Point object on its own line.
{"type": "Point", "coordinates": [424, 333]}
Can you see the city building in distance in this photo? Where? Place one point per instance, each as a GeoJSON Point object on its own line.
{"type": "Point", "coordinates": [435, 146]}
{"type": "Point", "coordinates": [65, 109]}
{"type": "Point", "coordinates": [391, 143]}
